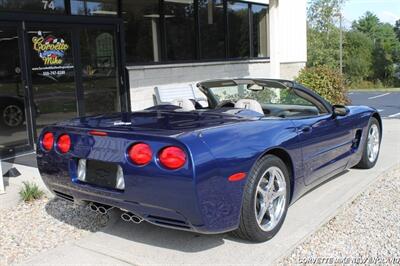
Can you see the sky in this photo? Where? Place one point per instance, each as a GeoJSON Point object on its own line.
{"type": "Point", "coordinates": [386, 10]}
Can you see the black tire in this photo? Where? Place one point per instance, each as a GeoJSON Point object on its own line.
{"type": "Point", "coordinates": [365, 162]}
{"type": "Point", "coordinates": [249, 228]}
{"type": "Point", "coordinates": [15, 104]}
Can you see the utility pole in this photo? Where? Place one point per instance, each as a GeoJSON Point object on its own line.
{"type": "Point", "coordinates": [341, 42]}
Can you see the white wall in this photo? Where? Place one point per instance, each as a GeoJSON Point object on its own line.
{"type": "Point", "coordinates": [293, 31]}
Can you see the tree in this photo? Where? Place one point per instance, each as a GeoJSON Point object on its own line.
{"type": "Point", "coordinates": [323, 34]}
{"type": "Point", "coordinates": [368, 24]}
{"type": "Point", "coordinates": [397, 29]}
{"type": "Point", "coordinates": [358, 56]}
{"type": "Point", "coordinates": [322, 14]}
{"type": "Point", "coordinates": [386, 45]}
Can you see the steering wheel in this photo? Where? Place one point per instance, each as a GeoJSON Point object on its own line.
{"type": "Point", "coordinates": [226, 103]}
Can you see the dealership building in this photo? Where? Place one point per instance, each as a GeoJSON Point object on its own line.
{"type": "Point", "coordinates": [68, 58]}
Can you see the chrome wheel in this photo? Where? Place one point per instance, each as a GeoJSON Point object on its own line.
{"type": "Point", "coordinates": [270, 199]}
{"type": "Point", "coordinates": [373, 143]}
{"type": "Point", "coordinates": [13, 116]}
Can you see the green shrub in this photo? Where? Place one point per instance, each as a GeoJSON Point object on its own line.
{"type": "Point", "coordinates": [325, 81]}
{"type": "Point", "coordinates": [30, 192]}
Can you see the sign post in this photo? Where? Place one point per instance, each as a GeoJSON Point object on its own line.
{"type": "Point", "coordinates": [2, 191]}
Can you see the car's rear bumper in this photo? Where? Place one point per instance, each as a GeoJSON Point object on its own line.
{"type": "Point", "coordinates": [176, 208]}
{"type": "Point", "coordinates": [153, 214]}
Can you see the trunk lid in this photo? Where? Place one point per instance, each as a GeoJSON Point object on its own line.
{"type": "Point", "coordinates": [161, 123]}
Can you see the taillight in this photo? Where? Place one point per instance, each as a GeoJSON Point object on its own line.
{"type": "Point", "coordinates": [64, 143]}
{"type": "Point", "coordinates": [172, 158]}
{"type": "Point", "coordinates": [48, 141]}
{"type": "Point", "coordinates": [140, 153]}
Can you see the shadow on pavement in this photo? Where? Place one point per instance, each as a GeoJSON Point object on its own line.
{"type": "Point", "coordinates": [145, 233]}
{"type": "Point", "coordinates": [152, 235]}
{"type": "Point", "coordinates": [77, 216]}
{"type": "Point", "coordinates": [323, 183]}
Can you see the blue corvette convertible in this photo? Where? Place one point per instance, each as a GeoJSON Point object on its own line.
{"type": "Point", "coordinates": [234, 163]}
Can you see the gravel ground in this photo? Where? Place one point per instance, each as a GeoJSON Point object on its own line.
{"type": "Point", "coordinates": [44, 224]}
{"type": "Point", "coordinates": [366, 231]}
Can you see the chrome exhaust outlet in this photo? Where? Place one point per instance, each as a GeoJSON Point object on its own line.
{"type": "Point", "coordinates": [126, 217]}
{"type": "Point", "coordinates": [93, 207]}
{"type": "Point", "coordinates": [100, 208]}
{"type": "Point", "coordinates": [130, 217]}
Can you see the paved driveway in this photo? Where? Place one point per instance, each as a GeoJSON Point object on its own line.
{"type": "Point", "coordinates": [387, 103]}
{"type": "Point", "coordinates": [123, 243]}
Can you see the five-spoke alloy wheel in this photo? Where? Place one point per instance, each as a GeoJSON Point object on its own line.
{"type": "Point", "coordinates": [270, 199]}
{"type": "Point", "coordinates": [372, 145]}
{"type": "Point", "coordinates": [265, 200]}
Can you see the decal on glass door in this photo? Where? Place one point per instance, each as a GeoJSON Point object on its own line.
{"type": "Point", "coordinates": [50, 49]}
{"type": "Point", "coordinates": [52, 53]}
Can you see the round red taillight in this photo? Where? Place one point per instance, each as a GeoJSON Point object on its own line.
{"type": "Point", "coordinates": [140, 153]}
{"type": "Point", "coordinates": [48, 141]}
{"type": "Point", "coordinates": [64, 143]}
{"type": "Point", "coordinates": [172, 158]}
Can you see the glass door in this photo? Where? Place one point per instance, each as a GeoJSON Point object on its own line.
{"type": "Point", "coordinates": [74, 72]}
{"type": "Point", "coordinates": [13, 115]}
{"type": "Point", "coordinates": [52, 66]}
{"type": "Point", "coordinates": [99, 61]}
{"type": "Point", "coordinates": [54, 72]}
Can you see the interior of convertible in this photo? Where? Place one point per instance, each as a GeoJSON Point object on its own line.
{"type": "Point", "coordinates": [276, 101]}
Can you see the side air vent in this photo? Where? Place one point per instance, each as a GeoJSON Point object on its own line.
{"type": "Point", "coordinates": [357, 139]}
{"type": "Point", "coordinates": [64, 196]}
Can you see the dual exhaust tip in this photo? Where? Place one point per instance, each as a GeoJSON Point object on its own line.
{"type": "Point", "coordinates": [99, 208]}
{"type": "Point", "coordinates": [125, 216]}
{"type": "Point", "coordinates": [130, 217]}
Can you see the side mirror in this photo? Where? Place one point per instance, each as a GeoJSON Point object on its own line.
{"type": "Point", "coordinates": [339, 110]}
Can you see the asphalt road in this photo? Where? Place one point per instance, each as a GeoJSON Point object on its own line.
{"type": "Point", "coordinates": [387, 103]}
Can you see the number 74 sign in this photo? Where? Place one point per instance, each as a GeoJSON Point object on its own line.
{"type": "Point", "coordinates": [48, 4]}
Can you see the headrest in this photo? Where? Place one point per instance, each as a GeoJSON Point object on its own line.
{"type": "Point", "coordinates": [249, 104]}
{"type": "Point", "coordinates": [185, 104]}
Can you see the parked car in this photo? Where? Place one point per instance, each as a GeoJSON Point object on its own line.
{"type": "Point", "coordinates": [236, 165]}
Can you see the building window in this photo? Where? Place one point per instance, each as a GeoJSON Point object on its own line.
{"type": "Point", "coordinates": [142, 28]}
{"type": "Point", "coordinates": [94, 7]}
{"type": "Point", "coordinates": [179, 30]}
{"type": "Point", "coordinates": [160, 31]}
{"type": "Point", "coordinates": [45, 6]}
{"type": "Point", "coordinates": [212, 29]}
{"type": "Point", "coordinates": [238, 29]}
{"type": "Point", "coordinates": [260, 30]}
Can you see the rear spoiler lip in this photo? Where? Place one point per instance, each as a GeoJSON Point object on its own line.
{"type": "Point", "coordinates": [123, 130]}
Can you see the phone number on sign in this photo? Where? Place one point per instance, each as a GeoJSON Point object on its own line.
{"type": "Point", "coordinates": [54, 73]}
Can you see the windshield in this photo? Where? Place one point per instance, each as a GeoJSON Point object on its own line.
{"type": "Point", "coordinates": [263, 95]}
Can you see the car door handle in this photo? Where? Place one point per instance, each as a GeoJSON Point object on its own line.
{"type": "Point", "coordinates": [305, 129]}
